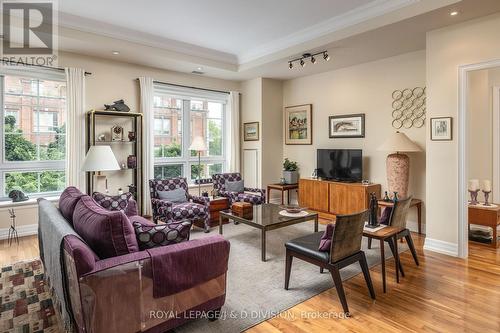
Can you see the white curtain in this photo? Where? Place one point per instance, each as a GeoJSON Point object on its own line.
{"type": "Point", "coordinates": [234, 131]}
{"type": "Point", "coordinates": [75, 127]}
{"type": "Point", "coordinates": [146, 87]}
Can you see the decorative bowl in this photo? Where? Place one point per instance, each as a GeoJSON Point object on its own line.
{"type": "Point", "coordinates": [293, 209]}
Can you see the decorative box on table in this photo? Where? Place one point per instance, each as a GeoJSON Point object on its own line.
{"type": "Point", "coordinates": [243, 209]}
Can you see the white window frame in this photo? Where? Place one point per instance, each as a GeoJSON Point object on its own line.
{"type": "Point", "coordinates": [26, 166]}
{"type": "Point", "coordinates": [188, 94]}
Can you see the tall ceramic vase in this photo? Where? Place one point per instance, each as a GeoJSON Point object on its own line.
{"type": "Point", "coordinates": [398, 174]}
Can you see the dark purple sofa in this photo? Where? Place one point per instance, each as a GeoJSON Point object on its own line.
{"type": "Point", "coordinates": [114, 287]}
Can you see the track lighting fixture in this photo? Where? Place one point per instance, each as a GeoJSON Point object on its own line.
{"type": "Point", "coordinates": [307, 56]}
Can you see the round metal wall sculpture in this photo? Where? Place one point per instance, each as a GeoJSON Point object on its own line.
{"type": "Point", "coordinates": [408, 108]}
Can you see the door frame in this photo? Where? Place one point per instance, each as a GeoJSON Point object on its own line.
{"type": "Point", "coordinates": [462, 199]}
{"type": "Point", "coordinates": [496, 143]}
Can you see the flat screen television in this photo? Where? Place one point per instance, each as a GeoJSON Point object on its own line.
{"type": "Point", "coordinates": [345, 165]}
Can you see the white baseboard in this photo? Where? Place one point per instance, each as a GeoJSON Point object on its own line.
{"type": "Point", "coordinates": [440, 246]}
{"type": "Point", "coordinates": [22, 230]}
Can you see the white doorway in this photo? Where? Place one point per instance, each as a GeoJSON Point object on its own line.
{"type": "Point", "coordinates": [496, 143]}
{"type": "Point", "coordinates": [463, 151]}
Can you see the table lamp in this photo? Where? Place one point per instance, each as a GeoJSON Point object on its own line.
{"type": "Point", "coordinates": [199, 145]}
{"type": "Point", "coordinates": [397, 164]}
{"type": "Point", "coordinates": [98, 159]}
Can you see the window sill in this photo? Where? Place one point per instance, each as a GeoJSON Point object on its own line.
{"type": "Point", "coordinates": [30, 202]}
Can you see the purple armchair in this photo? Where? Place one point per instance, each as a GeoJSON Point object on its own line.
{"type": "Point", "coordinates": [195, 209]}
{"type": "Point", "coordinates": [257, 197]}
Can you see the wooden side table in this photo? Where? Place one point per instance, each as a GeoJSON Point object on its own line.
{"type": "Point", "coordinates": [382, 235]}
{"type": "Point", "coordinates": [283, 188]}
{"type": "Point", "coordinates": [488, 217]}
{"type": "Point", "coordinates": [414, 203]}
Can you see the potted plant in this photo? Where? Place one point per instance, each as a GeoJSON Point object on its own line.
{"type": "Point", "coordinates": [290, 173]}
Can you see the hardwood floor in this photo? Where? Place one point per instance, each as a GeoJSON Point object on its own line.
{"type": "Point", "coordinates": [444, 294]}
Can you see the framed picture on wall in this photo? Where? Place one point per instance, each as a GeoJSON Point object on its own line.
{"type": "Point", "coordinates": [298, 125]}
{"type": "Point", "coordinates": [441, 129]}
{"type": "Point", "coordinates": [251, 131]}
{"type": "Point", "coordinates": [347, 126]}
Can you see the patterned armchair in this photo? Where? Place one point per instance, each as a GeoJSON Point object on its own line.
{"type": "Point", "coordinates": [219, 180]}
{"type": "Point", "coordinates": [196, 208]}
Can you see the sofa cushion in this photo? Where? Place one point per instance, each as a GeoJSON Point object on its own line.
{"type": "Point", "coordinates": [67, 202]}
{"type": "Point", "coordinates": [236, 186]}
{"type": "Point", "coordinates": [160, 235]}
{"type": "Point", "coordinates": [83, 256]}
{"type": "Point", "coordinates": [177, 196]}
{"type": "Point", "coordinates": [108, 233]}
{"type": "Point", "coordinates": [113, 202]}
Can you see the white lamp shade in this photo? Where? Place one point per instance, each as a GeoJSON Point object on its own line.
{"type": "Point", "coordinates": [198, 144]}
{"type": "Point", "coordinates": [399, 142]}
{"type": "Point", "coordinates": [100, 158]}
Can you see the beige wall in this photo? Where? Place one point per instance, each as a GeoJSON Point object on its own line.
{"type": "Point", "coordinates": [110, 81]}
{"type": "Point", "coordinates": [365, 88]}
{"type": "Point", "coordinates": [467, 43]}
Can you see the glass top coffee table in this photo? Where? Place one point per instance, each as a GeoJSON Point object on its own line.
{"type": "Point", "coordinates": [266, 217]}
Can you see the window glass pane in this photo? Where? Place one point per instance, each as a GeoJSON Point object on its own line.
{"type": "Point", "coordinates": [31, 182]}
{"type": "Point", "coordinates": [168, 171]}
{"type": "Point", "coordinates": [20, 85]}
{"type": "Point", "coordinates": [54, 89]}
{"type": "Point", "coordinates": [214, 137]}
{"type": "Point", "coordinates": [166, 147]}
{"type": "Point", "coordinates": [167, 126]}
{"type": "Point", "coordinates": [52, 181]}
{"type": "Point", "coordinates": [198, 105]}
{"type": "Point", "coordinates": [20, 147]}
{"type": "Point", "coordinates": [52, 147]}
{"type": "Point", "coordinates": [207, 170]}
{"type": "Point", "coordinates": [198, 128]}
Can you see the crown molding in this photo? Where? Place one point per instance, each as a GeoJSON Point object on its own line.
{"type": "Point", "coordinates": [363, 13]}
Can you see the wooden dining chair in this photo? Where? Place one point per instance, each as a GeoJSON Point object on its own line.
{"type": "Point", "coordinates": [345, 250]}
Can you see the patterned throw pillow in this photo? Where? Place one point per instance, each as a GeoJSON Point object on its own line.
{"type": "Point", "coordinates": [386, 216]}
{"type": "Point", "coordinates": [161, 235]}
{"type": "Point", "coordinates": [108, 202]}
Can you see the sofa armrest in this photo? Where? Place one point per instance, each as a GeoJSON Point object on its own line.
{"type": "Point", "coordinates": [199, 200]}
{"type": "Point", "coordinates": [262, 192]}
{"type": "Point", "coordinates": [232, 196]}
{"type": "Point", "coordinates": [161, 206]}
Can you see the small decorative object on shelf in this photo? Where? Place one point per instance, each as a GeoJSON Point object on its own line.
{"type": "Point", "coordinates": [117, 106]}
{"type": "Point", "coordinates": [123, 165]}
{"type": "Point", "coordinates": [131, 162]}
{"type": "Point", "coordinates": [132, 189]}
{"type": "Point", "coordinates": [116, 133]}
{"type": "Point", "coordinates": [131, 136]}
{"type": "Point", "coordinates": [314, 174]}
{"type": "Point", "coordinates": [12, 230]}
{"type": "Point", "coordinates": [18, 196]}
{"type": "Point", "coordinates": [473, 190]}
{"type": "Point", "coordinates": [395, 197]}
{"type": "Point", "coordinates": [282, 181]}
{"type": "Point", "coordinates": [486, 191]}
{"type": "Point", "coordinates": [120, 191]}
{"type": "Point", "coordinates": [386, 197]}
{"type": "Point", "coordinates": [101, 137]}
{"type": "Point", "coordinates": [372, 218]}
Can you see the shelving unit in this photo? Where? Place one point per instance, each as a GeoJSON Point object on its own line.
{"type": "Point", "coordinates": [104, 120]}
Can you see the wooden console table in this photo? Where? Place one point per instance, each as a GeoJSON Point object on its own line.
{"type": "Point", "coordinates": [282, 188]}
{"type": "Point", "coordinates": [488, 217]}
{"type": "Point", "coordinates": [414, 203]}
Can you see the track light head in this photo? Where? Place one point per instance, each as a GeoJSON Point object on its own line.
{"type": "Point", "coordinates": [302, 63]}
{"type": "Point", "coordinates": [290, 65]}
{"type": "Point", "coordinates": [326, 56]}
{"type": "Point", "coordinates": [313, 60]}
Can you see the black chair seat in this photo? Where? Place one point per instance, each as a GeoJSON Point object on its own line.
{"type": "Point", "coordinates": [308, 246]}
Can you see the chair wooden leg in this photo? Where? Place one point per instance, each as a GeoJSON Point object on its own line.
{"type": "Point", "coordinates": [288, 268]}
{"type": "Point", "coordinates": [366, 273]}
{"type": "Point", "coordinates": [321, 270]}
{"type": "Point", "coordinates": [391, 245]}
{"type": "Point", "coordinates": [334, 271]}
{"type": "Point", "coordinates": [369, 243]}
{"type": "Point", "coordinates": [409, 241]}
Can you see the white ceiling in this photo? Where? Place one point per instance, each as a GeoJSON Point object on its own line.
{"type": "Point", "coordinates": [242, 39]}
{"type": "Point", "coordinates": [236, 27]}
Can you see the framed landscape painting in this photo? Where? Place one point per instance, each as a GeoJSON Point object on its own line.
{"type": "Point", "coordinates": [251, 131]}
{"type": "Point", "coordinates": [441, 129]}
{"type": "Point", "coordinates": [347, 126]}
{"type": "Point", "coordinates": [298, 125]}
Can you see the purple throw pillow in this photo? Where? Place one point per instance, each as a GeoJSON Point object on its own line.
{"type": "Point", "coordinates": [108, 234]}
{"type": "Point", "coordinates": [112, 202]}
{"type": "Point", "coordinates": [67, 202]}
{"type": "Point", "coordinates": [386, 216]}
{"type": "Point", "coordinates": [160, 235]}
{"type": "Point", "coordinates": [326, 240]}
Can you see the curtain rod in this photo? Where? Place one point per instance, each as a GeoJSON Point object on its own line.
{"type": "Point", "coordinates": [183, 86]}
{"type": "Point", "coordinates": [41, 66]}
